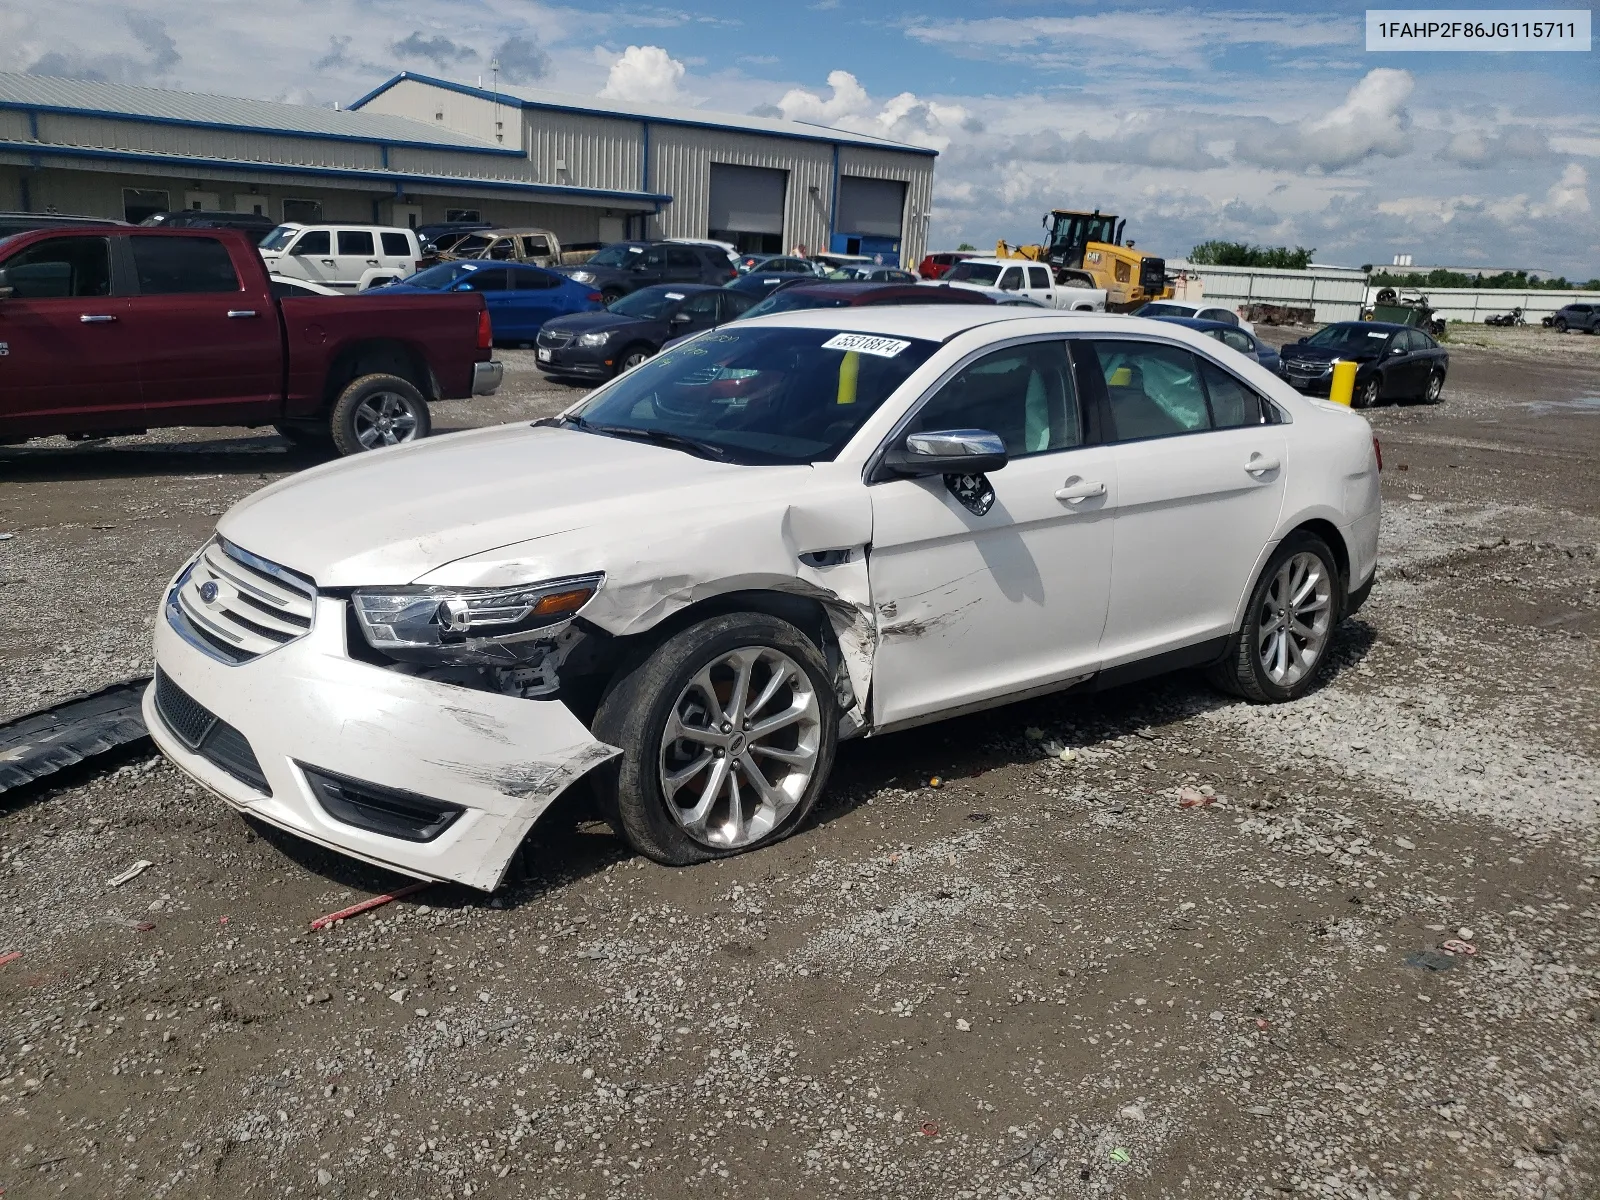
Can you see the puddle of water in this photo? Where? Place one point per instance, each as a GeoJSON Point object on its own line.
{"type": "Point", "coordinates": [1584, 404]}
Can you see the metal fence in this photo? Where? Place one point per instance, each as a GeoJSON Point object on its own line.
{"type": "Point", "coordinates": [1334, 293]}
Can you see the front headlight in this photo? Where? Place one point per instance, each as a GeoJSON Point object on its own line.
{"type": "Point", "coordinates": [481, 626]}
{"type": "Point", "coordinates": [594, 339]}
{"type": "Point", "coordinates": [583, 276]}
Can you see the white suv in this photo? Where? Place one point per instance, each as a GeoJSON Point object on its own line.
{"type": "Point", "coordinates": [348, 257]}
{"type": "Point", "coordinates": [785, 531]}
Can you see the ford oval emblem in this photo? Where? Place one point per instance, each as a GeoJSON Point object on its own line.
{"type": "Point", "coordinates": [208, 591]}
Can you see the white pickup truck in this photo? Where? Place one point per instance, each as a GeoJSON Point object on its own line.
{"type": "Point", "coordinates": [1032, 280]}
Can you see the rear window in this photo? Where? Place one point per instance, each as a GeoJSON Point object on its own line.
{"type": "Point", "coordinates": [171, 266]}
{"type": "Point", "coordinates": [396, 245]}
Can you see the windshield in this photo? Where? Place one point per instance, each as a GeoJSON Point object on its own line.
{"type": "Point", "coordinates": [789, 300]}
{"type": "Point", "coordinates": [1353, 336]}
{"type": "Point", "coordinates": [619, 255]}
{"type": "Point", "coordinates": [278, 238]}
{"type": "Point", "coordinates": [649, 304]}
{"type": "Point", "coordinates": [436, 279]}
{"type": "Point", "coordinates": [1164, 310]}
{"type": "Point", "coordinates": [985, 273]}
{"type": "Point", "coordinates": [762, 395]}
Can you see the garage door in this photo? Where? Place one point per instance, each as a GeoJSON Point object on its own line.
{"type": "Point", "coordinates": [747, 207]}
{"type": "Point", "coordinates": [870, 206]}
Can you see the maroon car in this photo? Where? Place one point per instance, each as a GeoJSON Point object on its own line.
{"type": "Point", "coordinates": [117, 329]}
{"type": "Point", "coordinates": [935, 265]}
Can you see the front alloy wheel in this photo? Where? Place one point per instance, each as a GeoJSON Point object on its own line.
{"type": "Point", "coordinates": [740, 747]}
{"type": "Point", "coordinates": [1367, 395]}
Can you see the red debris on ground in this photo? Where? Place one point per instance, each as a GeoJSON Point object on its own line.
{"type": "Point", "coordinates": [375, 902]}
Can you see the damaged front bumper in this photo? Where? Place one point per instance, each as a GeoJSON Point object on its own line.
{"type": "Point", "coordinates": [457, 777]}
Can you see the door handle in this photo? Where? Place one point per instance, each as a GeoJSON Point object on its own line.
{"type": "Point", "coordinates": [1078, 490]}
{"type": "Point", "coordinates": [327, 262]}
{"type": "Point", "coordinates": [241, 312]}
{"type": "Point", "coordinates": [1259, 466]}
{"type": "Point", "coordinates": [372, 262]}
{"type": "Point", "coordinates": [96, 318]}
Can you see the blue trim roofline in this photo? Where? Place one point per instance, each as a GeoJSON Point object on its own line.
{"type": "Point", "coordinates": [195, 123]}
{"type": "Point", "coordinates": [510, 100]}
{"type": "Point", "coordinates": [46, 150]}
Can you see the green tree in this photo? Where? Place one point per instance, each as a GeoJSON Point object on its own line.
{"type": "Point", "coordinates": [966, 246]}
{"type": "Point", "coordinates": [1241, 254]}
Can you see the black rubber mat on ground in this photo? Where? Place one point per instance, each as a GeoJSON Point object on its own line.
{"type": "Point", "coordinates": [44, 742]}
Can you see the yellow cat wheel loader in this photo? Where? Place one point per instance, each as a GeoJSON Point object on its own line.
{"type": "Point", "coordinates": [1092, 242]}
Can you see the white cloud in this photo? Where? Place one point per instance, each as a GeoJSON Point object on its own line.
{"type": "Point", "coordinates": [1372, 120]}
{"type": "Point", "coordinates": [644, 73]}
{"type": "Point", "coordinates": [903, 118]}
{"type": "Point", "coordinates": [1479, 148]}
{"type": "Point", "coordinates": [1569, 194]}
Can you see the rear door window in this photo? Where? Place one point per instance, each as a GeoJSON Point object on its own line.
{"type": "Point", "coordinates": [1039, 277]}
{"type": "Point", "coordinates": [682, 260]}
{"type": "Point", "coordinates": [533, 281]}
{"type": "Point", "coordinates": [396, 245]}
{"type": "Point", "coordinates": [1233, 404]}
{"type": "Point", "coordinates": [172, 266]}
{"type": "Point", "coordinates": [356, 242]}
{"type": "Point", "coordinates": [61, 268]}
{"type": "Point", "coordinates": [491, 279]}
{"type": "Point", "coordinates": [535, 245]}
{"type": "Point", "coordinates": [1152, 390]}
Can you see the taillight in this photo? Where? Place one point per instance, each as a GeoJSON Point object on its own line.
{"type": "Point", "coordinates": [595, 298]}
{"type": "Point", "coordinates": [485, 330]}
{"type": "Point", "coordinates": [1377, 450]}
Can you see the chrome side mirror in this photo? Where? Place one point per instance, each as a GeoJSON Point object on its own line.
{"type": "Point", "coordinates": [948, 452]}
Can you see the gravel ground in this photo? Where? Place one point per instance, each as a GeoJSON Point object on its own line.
{"type": "Point", "coordinates": [1046, 977]}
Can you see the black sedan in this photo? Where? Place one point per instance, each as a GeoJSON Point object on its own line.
{"type": "Point", "coordinates": [762, 284]}
{"type": "Point", "coordinates": [595, 346]}
{"type": "Point", "coordinates": [1394, 362]}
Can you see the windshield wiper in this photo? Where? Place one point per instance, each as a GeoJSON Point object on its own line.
{"type": "Point", "coordinates": [661, 437]}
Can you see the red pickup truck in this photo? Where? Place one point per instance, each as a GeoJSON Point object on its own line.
{"type": "Point", "coordinates": [121, 329]}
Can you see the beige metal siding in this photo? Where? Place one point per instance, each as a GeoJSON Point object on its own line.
{"type": "Point", "coordinates": [14, 126]}
{"type": "Point", "coordinates": [681, 161]}
{"type": "Point", "coordinates": [580, 151]}
{"type": "Point", "coordinates": [463, 114]}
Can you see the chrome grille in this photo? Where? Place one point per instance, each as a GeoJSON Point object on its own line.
{"type": "Point", "coordinates": [236, 606]}
{"type": "Point", "coordinates": [554, 338]}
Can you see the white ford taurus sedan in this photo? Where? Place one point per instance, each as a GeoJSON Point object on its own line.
{"type": "Point", "coordinates": [786, 531]}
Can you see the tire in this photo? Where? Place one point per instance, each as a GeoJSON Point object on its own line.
{"type": "Point", "coordinates": [1430, 394]}
{"type": "Point", "coordinates": [632, 356]}
{"type": "Point", "coordinates": [610, 296]}
{"type": "Point", "coordinates": [378, 410]}
{"type": "Point", "coordinates": [1366, 396]}
{"type": "Point", "coordinates": [1243, 671]}
{"type": "Point", "coordinates": [1559, 324]}
{"type": "Point", "coordinates": [311, 435]}
{"type": "Point", "coordinates": [667, 685]}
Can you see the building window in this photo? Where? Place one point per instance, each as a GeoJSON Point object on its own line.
{"type": "Point", "coordinates": [463, 214]}
{"type": "Point", "coordinates": [305, 212]}
{"type": "Point", "coordinates": [139, 203]}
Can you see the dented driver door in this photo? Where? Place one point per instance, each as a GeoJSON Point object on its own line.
{"type": "Point", "coordinates": [978, 604]}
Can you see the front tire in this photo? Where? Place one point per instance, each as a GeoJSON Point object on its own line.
{"type": "Point", "coordinates": [631, 358]}
{"type": "Point", "coordinates": [1559, 325]}
{"type": "Point", "coordinates": [1294, 607]}
{"type": "Point", "coordinates": [1366, 396]}
{"type": "Point", "coordinates": [378, 410]}
{"type": "Point", "coordinates": [728, 731]}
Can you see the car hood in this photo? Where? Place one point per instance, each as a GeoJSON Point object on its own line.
{"type": "Point", "coordinates": [1322, 354]}
{"type": "Point", "coordinates": [591, 322]}
{"type": "Point", "coordinates": [395, 516]}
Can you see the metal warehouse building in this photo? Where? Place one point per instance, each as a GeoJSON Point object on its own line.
{"type": "Point", "coordinates": [420, 150]}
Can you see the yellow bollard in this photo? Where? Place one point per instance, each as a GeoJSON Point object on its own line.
{"type": "Point", "coordinates": [1343, 389]}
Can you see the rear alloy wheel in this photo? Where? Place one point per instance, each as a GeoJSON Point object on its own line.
{"type": "Point", "coordinates": [1435, 386]}
{"type": "Point", "coordinates": [728, 731]}
{"type": "Point", "coordinates": [610, 296]}
{"type": "Point", "coordinates": [376, 411]}
{"type": "Point", "coordinates": [1294, 608]}
{"type": "Point", "coordinates": [1366, 396]}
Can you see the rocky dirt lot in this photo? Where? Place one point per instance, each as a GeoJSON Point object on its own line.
{"type": "Point", "coordinates": [1046, 977]}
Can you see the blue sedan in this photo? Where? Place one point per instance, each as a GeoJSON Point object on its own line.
{"type": "Point", "coordinates": [520, 297]}
{"type": "Point", "coordinates": [1232, 336]}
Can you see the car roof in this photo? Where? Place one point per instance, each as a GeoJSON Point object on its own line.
{"type": "Point", "coordinates": [854, 289]}
{"type": "Point", "coordinates": [941, 322]}
{"type": "Point", "coordinates": [1201, 323]}
{"type": "Point", "coordinates": [991, 260]}
{"type": "Point", "coordinates": [684, 288]}
{"type": "Point", "coordinates": [1390, 326]}
{"type": "Point", "coordinates": [513, 230]}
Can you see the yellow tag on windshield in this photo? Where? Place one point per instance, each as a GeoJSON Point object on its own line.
{"type": "Point", "coordinates": [849, 369]}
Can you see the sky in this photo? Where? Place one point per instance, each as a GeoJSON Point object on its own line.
{"type": "Point", "coordinates": [1267, 123]}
